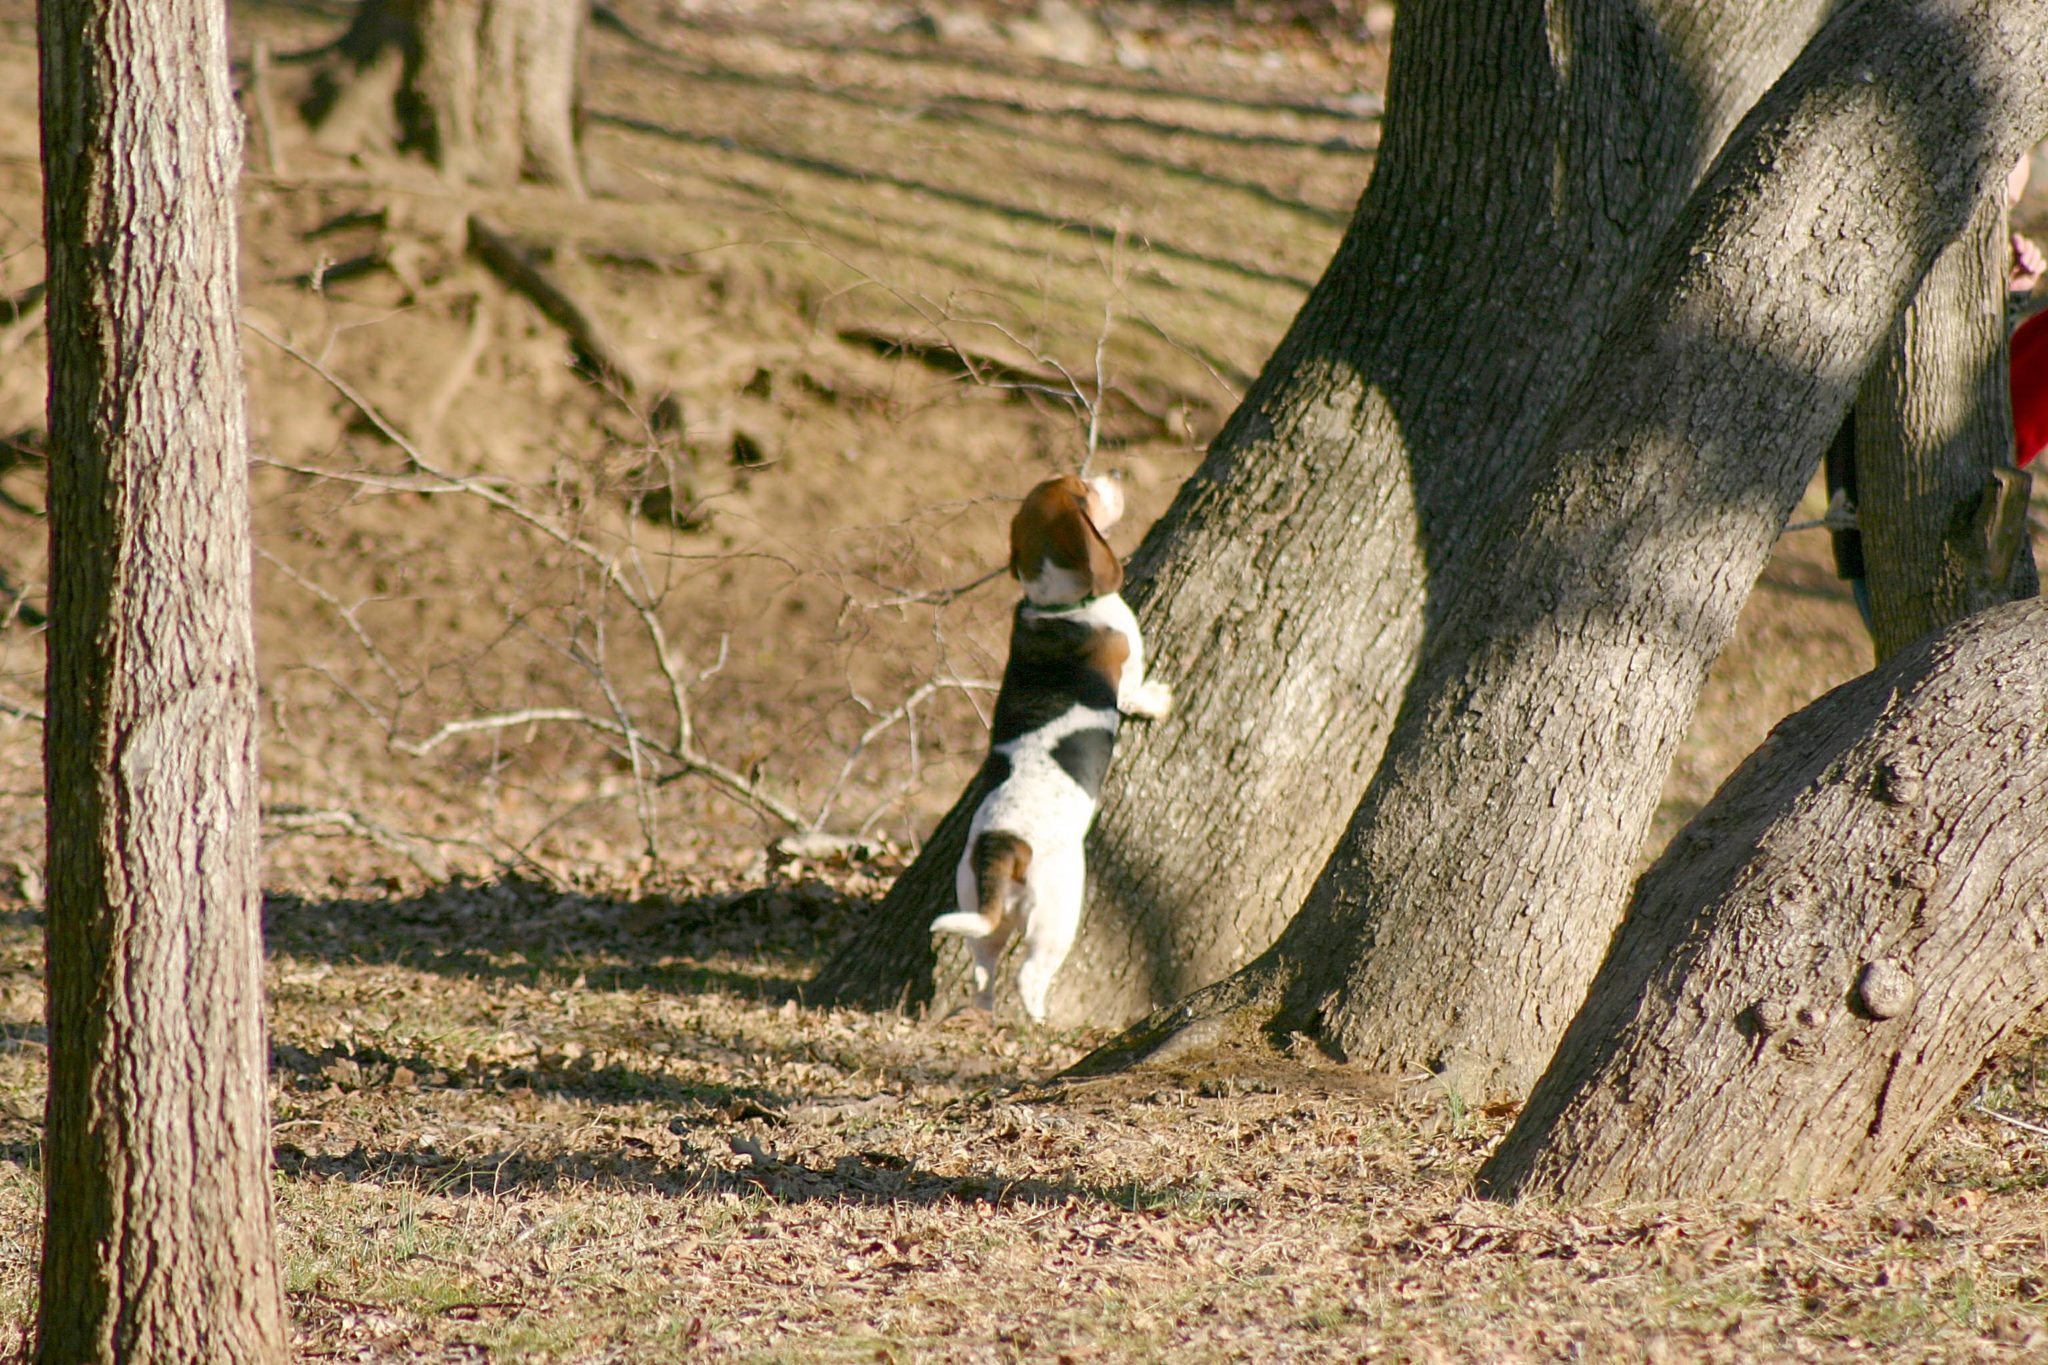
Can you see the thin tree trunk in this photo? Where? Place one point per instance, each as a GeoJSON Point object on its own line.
{"type": "Point", "coordinates": [158, 1244]}
{"type": "Point", "coordinates": [1532, 155]}
{"type": "Point", "coordinates": [1825, 957]}
{"type": "Point", "coordinates": [488, 87]}
{"type": "Point", "coordinates": [1934, 450]}
{"type": "Point", "coordinates": [1462, 918]}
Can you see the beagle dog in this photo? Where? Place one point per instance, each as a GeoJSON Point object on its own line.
{"type": "Point", "coordinates": [1077, 666]}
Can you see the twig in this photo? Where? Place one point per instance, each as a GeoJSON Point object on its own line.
{"type": "Point", "coordinates": [1116, 280]}
{"type": "Point", "coordinates": [860, 745]}
{"type": "Point", "coordinates": [745, 788]}
{"type": "Point", "coordinates": [504, 721]}
{"type": "Point", "coordinates": [1989, 1112]}
{"type": "Point", "coordinates": [643, 806]}
{"type": "Point", "coordinates": [347, 615]}
{"type": "Point", "coordinates": [20, 709]}
{"type": "Point", "coordinates": [23, 304]}
{"type": "Point", "coordinates": [936, 597]}
{"type": "Point", "coordinates": [293, 819]}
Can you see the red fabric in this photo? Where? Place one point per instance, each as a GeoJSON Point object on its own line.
{"type": "Point", "coordinates": [2029, 380]}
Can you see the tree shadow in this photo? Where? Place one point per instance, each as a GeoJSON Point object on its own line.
{"type": "Point", "coordinates": [515, 930]}
{"type": "Point", "coordinates": [869, 1178]}
{"type": "Point", "coordinates": [929, 189]}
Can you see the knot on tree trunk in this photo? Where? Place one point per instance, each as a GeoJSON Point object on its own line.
{"type": "Point", "coordinates": [1884, 989]}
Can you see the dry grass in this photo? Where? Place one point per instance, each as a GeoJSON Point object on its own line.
{"type": "Point", "coordinates": [517, 1123]}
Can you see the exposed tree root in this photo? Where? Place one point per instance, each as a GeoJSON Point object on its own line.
{"type": "Point", "coordinates": [1248, 1010]}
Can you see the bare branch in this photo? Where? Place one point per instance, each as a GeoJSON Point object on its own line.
{"type": "Point", "coordinates": [505, 721]}
{"type": "Point", "coordinates": [684, 755]}
{"type": "Point", "coordinates": [421, 853]}
{"type": "Point", "coordinates": [346, 613]}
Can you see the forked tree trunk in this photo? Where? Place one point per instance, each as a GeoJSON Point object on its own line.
{"type": "Point", "coordinates": [1941, 511]}
{"type": "Point", "coordinates": [1532, 155]}
{"type": "Point", "coordinates": [1826, 956]}
{"type": "Point", "coordinates": [1463, 916]}
{"type": "Point", "coordinates": [486, 88]}
{"type": "Point", "coordinates": [158, 1243]}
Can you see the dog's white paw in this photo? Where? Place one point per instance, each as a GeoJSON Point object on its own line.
{"type": "Point", "coordinates": [1153, 701]}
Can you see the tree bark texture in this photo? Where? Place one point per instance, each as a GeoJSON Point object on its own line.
{"type": "Point", "coordinates": [1463, 916]}
{"type": "Point", "coordinates": [159, 1243]}
{"type": "Point", "coordinates": [1939, 507]}
{"type": "Point", "coordinates": [1821, 962]}
{"type": "Point", "coordinates": [487, 88]}
{"type": "Point", "coordinates": [1532, 155]}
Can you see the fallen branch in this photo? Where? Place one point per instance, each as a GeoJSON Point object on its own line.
{"type": "Point", "coordinates": [504, 258]}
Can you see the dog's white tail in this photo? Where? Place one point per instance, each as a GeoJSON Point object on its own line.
{"type": "Point", "coordinates": [964, 923]}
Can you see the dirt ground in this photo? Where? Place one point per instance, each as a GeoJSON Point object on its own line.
{"type": "Point", "coordinates": [546, 677]}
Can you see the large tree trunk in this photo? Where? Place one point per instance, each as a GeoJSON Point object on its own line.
{"type": "Point", "coordinates": [1464, 914]}
{"type": "Point", "coordinates": [1941, 511]}
{"type": "Point", "coordinates": [158, 1244]}
{"type": "Point", "coordinates": [1532, 156]}
{"type": "Point", "coordinates": [1826, 956]}
{"type": "Point", "coordinates": [486, 88]}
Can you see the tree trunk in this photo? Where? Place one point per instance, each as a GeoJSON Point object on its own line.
{"type": "Point", "coordinates": [486, 88]}
{"type": "Point", "coordinates": [1940, 510]}
{"type": "Point", "coordinates": [158, 1244]}
{"type": "Point", "coordinates": [1825, 957]}
{"type": "Point", "coordinates": [1532, 156]}
{"type": "Point", "coordinates": [1463, 916]}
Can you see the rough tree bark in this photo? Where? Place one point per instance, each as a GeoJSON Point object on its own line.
{"type": "Point", "coordinates": [1463, 916]}
{"type": "Point", "coordinates": [1821, 962]}
{"type": "Point", "coordinates": [485, 88]}
{"type": "Point", "coordinates": [1532, 155]}
{"type": "Point", "coordinates": [158, 1243]}
{"type": "Point", "coordinates": [1940, 509]}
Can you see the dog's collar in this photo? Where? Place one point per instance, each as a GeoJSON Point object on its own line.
{"type": "Point", "coordinates": [1061, 608]}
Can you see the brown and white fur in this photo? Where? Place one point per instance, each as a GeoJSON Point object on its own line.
{"type": "Point", "coordinates": [1077, 665]}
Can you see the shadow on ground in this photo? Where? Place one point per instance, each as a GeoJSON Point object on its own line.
{"type": "Point", "coordinates": [514, 930]}
{"type": "Point", "coordinates": [866, 1177]}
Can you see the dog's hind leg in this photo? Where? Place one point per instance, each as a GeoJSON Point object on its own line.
{"type": "Point", "coordinates": [992, 875]}
{"type": "Point", "coordinates": [1057, 887]}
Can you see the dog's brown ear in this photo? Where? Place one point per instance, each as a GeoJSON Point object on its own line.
{"type": "Point", "coordinates": [1105, 570]}
{"type": "Point", "coordinates": [1079, 548]}
{"type": "Point", "coordinates": [1029, 530]}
